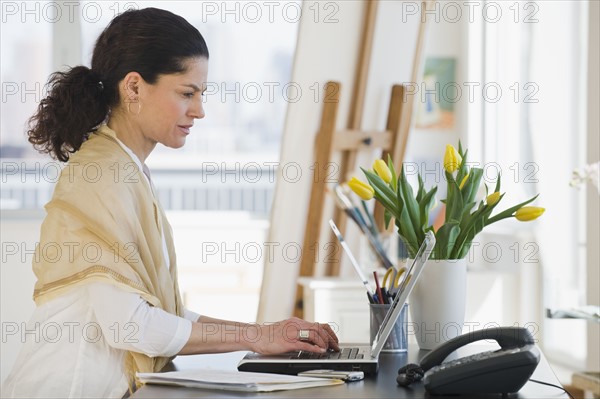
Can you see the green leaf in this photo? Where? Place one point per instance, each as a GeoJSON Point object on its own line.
{"type": "Point", "coordinates": [411, 205]}
{"type": "Point", "coordinates": [470, 189]}
{"type": "Point", "coordinates": [460, 240]}
{"type": "Point", "coordinates": [394, 181]}
{"type": "Point", "coordinates": [469, 226]}
{"type": "Point", "coordinates": [509, 212]}
{"type": "Point", "coordinates": [382, 192]}
{"type": "Point", "coordinates": [463, 170]}
{"type": "Point", "coordinates": [387, 218]}
{"type": "Point", "coordinates": [406, 229]}
{"type": "Point", "coordinates": [465, 187]}
{"type": "Point", "coordinates": [445, 240]}
{"type": "Point", "coordinates": [465, 217]}
{"type": "Point", "coordinates": [464, 250]}
{"type": "Point", "coordinates": [497, 183]}
{"type": "Point", "coordinates": [425, 205]}
{"type": "Point", "coordinates": [476, 223]}
{"type": "Point", "coordinates": [481, 204]}
{"type": "Point", "coordinates": [421, 190]}
{"type": "Point", "coordinates": [401, 202]}
{"type": "Point", "coordinates": [480, 219]}
{"type": "Point", "coordinates": [454, 200]}
{"type": "Point", "coordinates": [479, 224]}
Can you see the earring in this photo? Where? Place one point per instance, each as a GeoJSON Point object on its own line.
{"type": "Point", "coordinates": [139, 108]}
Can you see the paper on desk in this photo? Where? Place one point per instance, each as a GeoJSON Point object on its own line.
{"type": "Point", "coordinates": [234, 380]}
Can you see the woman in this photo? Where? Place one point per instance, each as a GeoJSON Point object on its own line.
{"type": "Point", "coordinates": [108, 304]}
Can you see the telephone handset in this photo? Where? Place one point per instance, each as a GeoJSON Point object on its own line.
{"type": "Point", "coordinates": [502, 371]}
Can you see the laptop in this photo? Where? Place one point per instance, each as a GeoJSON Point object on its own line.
{"type": "Point", "coordinates": [358, 358]}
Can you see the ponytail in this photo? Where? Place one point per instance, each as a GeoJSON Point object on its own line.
{"type": "Point", "coordinates": [76, 104]}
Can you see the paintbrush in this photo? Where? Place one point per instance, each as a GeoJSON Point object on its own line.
{"type": "Point", "coordinates": [355, 215]}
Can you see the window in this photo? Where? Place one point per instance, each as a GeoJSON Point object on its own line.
{"type": "Point", "coordinates": [217, 189]}
{"type": "Point", "coordinates": [531, 122]}
{"type": "Point", "coordinates": [26, 29]}
{"type": "Point", "coordinates": [235, 147]}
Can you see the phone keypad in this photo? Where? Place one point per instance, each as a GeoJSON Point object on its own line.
{"type": "Point", "coordinates": [472, 358]}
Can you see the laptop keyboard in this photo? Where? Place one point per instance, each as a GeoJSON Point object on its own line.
{"type": "Point", "coordinates": [345, 353]}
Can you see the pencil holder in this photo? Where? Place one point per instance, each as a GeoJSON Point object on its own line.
{"type": "Point", "coordinates": [397, 341]}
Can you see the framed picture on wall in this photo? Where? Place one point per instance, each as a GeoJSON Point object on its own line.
{"type": "Point", "coordinates": [435, 105]}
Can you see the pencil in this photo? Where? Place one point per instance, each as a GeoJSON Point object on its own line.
{"type": "Point", "coordinates": [379, 294]}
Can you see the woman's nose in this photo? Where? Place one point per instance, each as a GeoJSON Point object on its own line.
{"type": "Point", "coordinates": [197, 109]}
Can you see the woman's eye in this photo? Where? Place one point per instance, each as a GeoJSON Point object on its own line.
{"type": "Point", "coordinates": [188, 95]}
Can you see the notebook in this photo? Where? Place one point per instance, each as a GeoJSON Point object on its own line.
{"type": "Point", "coordinates": [234, 381]}
{"type": "Point", "coordinates": [359, 358]}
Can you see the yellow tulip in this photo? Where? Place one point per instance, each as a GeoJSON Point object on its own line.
{"type": "Point", "coordinates": [382, 170]}
{"type": "Point", "coordinates": [493, 198]}
{"type": "Point", "coordinates": [363, 190]}
{"type": "Point", "coordinates": [528, 213]}
{"type": "Point", "coordinates": [452, 159]}
{"type": "Point", "coordinates": [464, 180]}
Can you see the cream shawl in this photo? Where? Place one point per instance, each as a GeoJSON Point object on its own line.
{"type": "Point", "coordinates": [103, 224]}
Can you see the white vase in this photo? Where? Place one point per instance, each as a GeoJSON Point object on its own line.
{"type": "Point", "coordinates": [437, 302]}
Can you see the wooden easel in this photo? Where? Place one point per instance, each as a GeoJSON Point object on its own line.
{"type": "Point", "coordinates": [349, 142]}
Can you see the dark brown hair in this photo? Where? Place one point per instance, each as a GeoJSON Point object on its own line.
{"type": "Point", "coordinates": [150, 41]}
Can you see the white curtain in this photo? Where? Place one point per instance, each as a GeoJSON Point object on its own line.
{"type": "Point", "coordinates": [558, 138]}
{"type": "Point", "coordinates": [536, 134]}
{"type": "Point", "coordinates": [593, 199]}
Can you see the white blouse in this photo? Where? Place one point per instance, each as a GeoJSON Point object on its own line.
{"type": "Point", "coordinates": [74, 345]}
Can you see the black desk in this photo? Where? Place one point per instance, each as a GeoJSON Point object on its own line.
{"type": "Point", "coordinates": [381, 386]}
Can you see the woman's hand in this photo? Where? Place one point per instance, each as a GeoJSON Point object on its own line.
{"type": "Point", "coordinates": [284, 336]}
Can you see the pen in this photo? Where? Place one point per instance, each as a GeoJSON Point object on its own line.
{"type": "Point", "coordinates": [379, 294]}
{"type": "Point", "coordinates": [370, 297]}
{"type": "Point", "coordinates": [386, 295]}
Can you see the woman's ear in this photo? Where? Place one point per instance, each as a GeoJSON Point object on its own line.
{"type": "Point", "coordinates": [131, 86]}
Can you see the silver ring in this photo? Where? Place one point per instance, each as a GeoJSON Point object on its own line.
{"type": "Point", "coordinates": [303, 335]}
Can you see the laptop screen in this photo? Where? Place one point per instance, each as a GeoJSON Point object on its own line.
{"type": "Point", "coordinates": [405, 288]}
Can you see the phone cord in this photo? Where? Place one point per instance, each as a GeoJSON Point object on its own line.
{"type": "Point", "coordinates": [409, 374]}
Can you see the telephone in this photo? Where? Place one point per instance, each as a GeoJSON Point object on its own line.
{"type": "Point", "coordinates": [505, 370]}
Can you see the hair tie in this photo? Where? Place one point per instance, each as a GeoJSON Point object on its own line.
{"type": "Point", "coordinates": [96, 77]}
